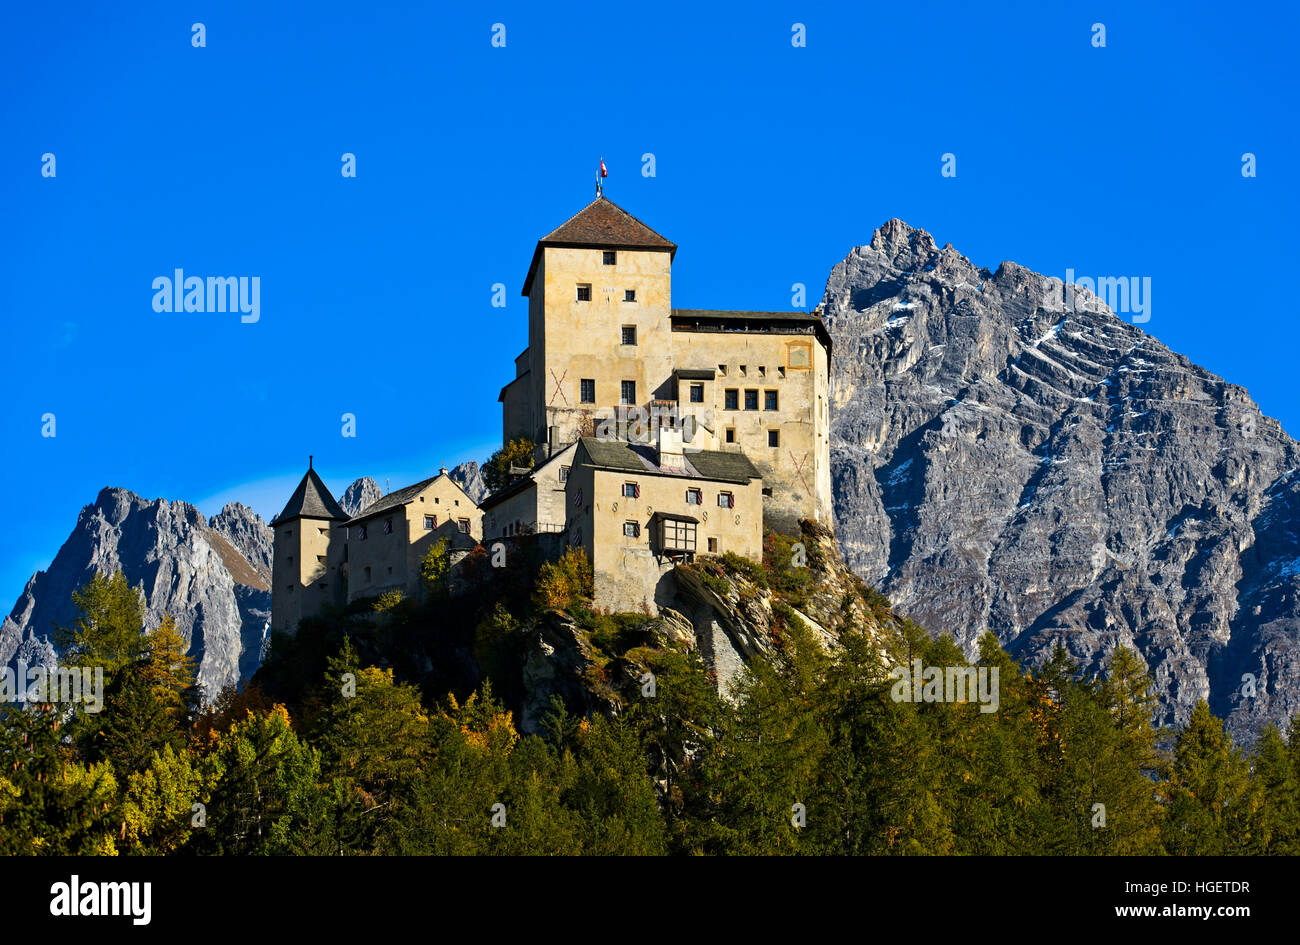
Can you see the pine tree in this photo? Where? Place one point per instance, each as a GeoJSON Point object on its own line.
{"type": "Point", "coordinates": [265, 797]}
{"type": "Point", "coordinates": [107, 631]}
{"type": "Point", "coordinates": [1209, 798]}
{"type": "Point", "coordinates": [1276, 791]}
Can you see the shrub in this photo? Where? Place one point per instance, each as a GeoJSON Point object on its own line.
{"type": "Point", "coordinates": [561, 583]}
{"type": "Point", "coordinates": [435, 568]}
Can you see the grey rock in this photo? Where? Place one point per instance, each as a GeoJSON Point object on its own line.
{"type": "Point", "coordinates": [183, 565]}
{"type": "Point", "coordinates": [470, 478]}
{"type": "Point", "coordinates": [1007, 459]}
{"type": "Point", "coordinates": [251, 537]}
{"type": "Point", "coordinates": [359, 494]}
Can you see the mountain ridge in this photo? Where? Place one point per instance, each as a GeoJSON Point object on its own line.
{"type": "Point", "coordinates": [1008, 454]}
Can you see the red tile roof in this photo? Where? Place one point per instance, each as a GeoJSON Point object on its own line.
{"type": "Point", "coordinates": [602, 223]}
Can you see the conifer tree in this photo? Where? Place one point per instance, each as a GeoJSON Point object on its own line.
{"type": "Point", "coordinates": [1209, 797]}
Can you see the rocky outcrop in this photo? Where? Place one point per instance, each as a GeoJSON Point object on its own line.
{"type": "Point", "coordinates": [735, 613]}
{"type": "Point", "coordinates": [1010, 456]}
{"type": "Point", "coordinates": [560, 662]}
{"type": "Point", "coordinates": [361, 493]}
{"type": "Point", "coordinates": [208, 575]}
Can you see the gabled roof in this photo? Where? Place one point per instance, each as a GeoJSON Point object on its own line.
{"type": "Point", "coordinates": [311, 499]}
{"type": "Point", "coordinates": [405, 496]}
{"type": "Point", "coordinates": [601, 223]}
{"type": "Point", "coordinates": [700, 464]}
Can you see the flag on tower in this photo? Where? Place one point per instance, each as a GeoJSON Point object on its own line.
{"type": "Point", "coordinates": [603, 172]}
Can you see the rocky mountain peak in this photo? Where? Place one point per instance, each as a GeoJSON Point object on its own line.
{"type": "Point", "coordinates": [470, 478]}
{"type": "Point", "coordinates": [359, 494]}
{"type": "Point", "coordinates": [185, 566]}
{"type": "Point", "coordinates": [1013, 456]}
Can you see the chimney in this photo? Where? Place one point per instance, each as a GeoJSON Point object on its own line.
{"type": "Point", "coordinates": [668, 442]}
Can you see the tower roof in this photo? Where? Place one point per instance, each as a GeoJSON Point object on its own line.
{"type": "Point", "coordinates": [601, 223]}
{"type": "Point", "coordinates": [311, 499]}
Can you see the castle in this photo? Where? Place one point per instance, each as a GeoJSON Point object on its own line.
{"type": "Point", "coordinates": [659, 434]}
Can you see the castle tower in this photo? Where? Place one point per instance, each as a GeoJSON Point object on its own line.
{"type": "Point", "coordinates": [603, 337]}
{"type": "Point", "coordinates": [599, 292]}
{"type": "Point", "coordinates": [309, 564]}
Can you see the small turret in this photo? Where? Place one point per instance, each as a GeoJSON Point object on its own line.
{"type": "Point", "coordinates": [308, 567]}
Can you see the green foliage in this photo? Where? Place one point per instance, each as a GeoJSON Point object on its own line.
{"type": "Point", "coordinates": [563, 582]}
{"type": "Point", "coordinates": [809, 751]}
{"type": "Point", "coordinates": [434, 570]}
{"type": "Point", "coordinates": [107, 630]}
{"type": "Point", "coordinates": [518, 451]}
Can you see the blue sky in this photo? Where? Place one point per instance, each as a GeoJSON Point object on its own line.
{"type": "Point", "coordinates": [771, 163]}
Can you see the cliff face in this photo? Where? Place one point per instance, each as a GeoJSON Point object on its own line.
{"type": "Point", "coordinates": [211, 576]}
{"type": "Point", "coordinates": [470, 478]}
{"type": "Point", "coordinates": [359, 494]}
{"type": "Point", "coordinates": [1007, 457]}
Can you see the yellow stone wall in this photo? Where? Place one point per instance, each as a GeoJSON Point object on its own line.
{"type": "Point", "coordinates": [628, 571]}
{"type": "Point", "coordinates": [570, 340]}
{"type": "Point", "coordinates": [307, 554]}
{"type": "Point", "coordinates": [536, 510]}
{"type": "Point", "coordinates": [794, 366]}
{"type": "Point", "coordinates": [394, 558]}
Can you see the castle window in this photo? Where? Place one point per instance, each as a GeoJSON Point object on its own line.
{"type": "Point", "coordinates": [587, 390]}
{"type": "Point", "coordinates": [361, 533]}
{"type": "Point", "coordinates": [762, 370]}
{"type": "Point", "coordinates": [430, 521]}
{"type": "Point", "coordinates": [322, 530]}
{"type": "Point", "coordinates": [564, 474]}
{"type": "Point", "coordinates": [743, 369]}
{"type": "Point", "coordinates": [713, 546]}
{"type": "Point", "coordinates": [697, 393]}
{"type": "Point", "coordinates": [767, 491]}
{"type": "Point", "coordinates": [678, 535]}
{"type": "Point", "coordinates": [722, 370]}
{"type": "Point", "coordinates": [367, 575]}
{"type": "Point", "coordinates": [455, 501]}
{"type": "Point", "coordinates": [726, 500]}
{"type": "Point", "coordinates": [628, 393]}
{"type": "Point", "coordinates": [694, 497]}
{"type": "Point", "coordinates": [751, 400]}
{"type": "Point", "coordinates": [731, 399]}
{"type": "Point", "coordinates": [288, 532]}
{"type": "Point", "coordinates": [769, 400]}
{"type": "Point", "coordinates": [288, 587]}
{"type": "Point", "coordinates": [291, 559]}
{"type": "Point", "coordinates": [463, 525]}
{"type": "Point", "coordinates": [631, 529]}
{"type": "Point", "coordinates": [584, 293]}
{"type": "Point", "coordinates": [780, 372]}
{"type": "Point", "coordinates": [731, 434]}
{"type": "Point", "coordinates": [631, 490]}
{"type": "Point", "coordinates": [320, 559]}
{"type": "Point", "coordinates": [629, 334]}
{"type": "Point", "coordinates": [608, 257]}
{"type": "Point", "coordinates": [629, 295]}
{"type": "Point", "coordinates": [773, 437]}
